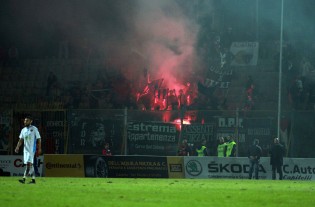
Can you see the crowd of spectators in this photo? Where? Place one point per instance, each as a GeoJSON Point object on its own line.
{"type": "Point", "coordinates": [115, 91]}
{"type": "Point", "coordinates": [299, 77]}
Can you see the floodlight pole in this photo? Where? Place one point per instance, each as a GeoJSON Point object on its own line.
{"type": "Point", "coordinates": [257, 20]}
{"type": "Point", "coordinates": [280, 72]}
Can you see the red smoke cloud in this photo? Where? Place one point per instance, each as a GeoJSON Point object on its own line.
{"type": "Point", "coordinates": [167, 42]}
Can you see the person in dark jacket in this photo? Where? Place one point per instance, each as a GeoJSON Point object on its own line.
{"type": "Point", "coordinates": [184, 149]}
{"type": "Point", "coordinates": [276, 158]}
{"type": "Point", "coordinates": [254, 153]}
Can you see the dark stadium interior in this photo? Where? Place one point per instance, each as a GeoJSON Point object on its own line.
{"type": "Point", "coordinates": [72, 60]}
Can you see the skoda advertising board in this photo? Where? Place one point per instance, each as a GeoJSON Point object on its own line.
{"type": "Point", "coordinates": [238, 168]}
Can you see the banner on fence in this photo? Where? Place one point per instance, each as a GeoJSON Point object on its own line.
{"type": "Point", "coordinates": [5, 129]}
{"type": "Point", "coordinates": [262, 129]}
{"type": "Point", "coordinates": [244, 53]}
{"type": "Point", "coordinates": [54, 124]}
{"type": "Point", "coordinates": [89, 130]}
{"type": "Point", "coordinates": [152, 138]}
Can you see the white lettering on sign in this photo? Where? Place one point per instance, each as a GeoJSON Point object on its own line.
{"type": "Point", "coordinates": [230, 122]}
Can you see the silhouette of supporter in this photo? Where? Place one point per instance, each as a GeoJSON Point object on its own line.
{"type": "Point", "coordinates": [51, 81]}
{"type": "Point", "coordinates": [106, 150]}
{"type": "Point", "coordinates": [172, 100]}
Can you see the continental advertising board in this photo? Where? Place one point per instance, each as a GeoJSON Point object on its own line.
{"type": "Point", "coordinates": [64, 165]}
{"type": "Point", "coordinates": [238, 168]}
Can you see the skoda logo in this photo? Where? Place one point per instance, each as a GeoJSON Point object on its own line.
{"type": "Point", "coordinates": [193, 168]}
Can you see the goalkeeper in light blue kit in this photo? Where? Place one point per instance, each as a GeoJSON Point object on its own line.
{"type": "Point", "coordinates": [30, 137]}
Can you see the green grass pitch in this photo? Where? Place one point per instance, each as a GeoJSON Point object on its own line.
{"type": "Point", "coordinates": [155, 192]}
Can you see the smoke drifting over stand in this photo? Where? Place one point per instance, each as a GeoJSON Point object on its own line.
{"type": "Point", "coordinates": [157, 35]}
{"type": "Point", "coordinates": [162, 37]}
{"type": "Point", "coordinates": [178, 41]}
